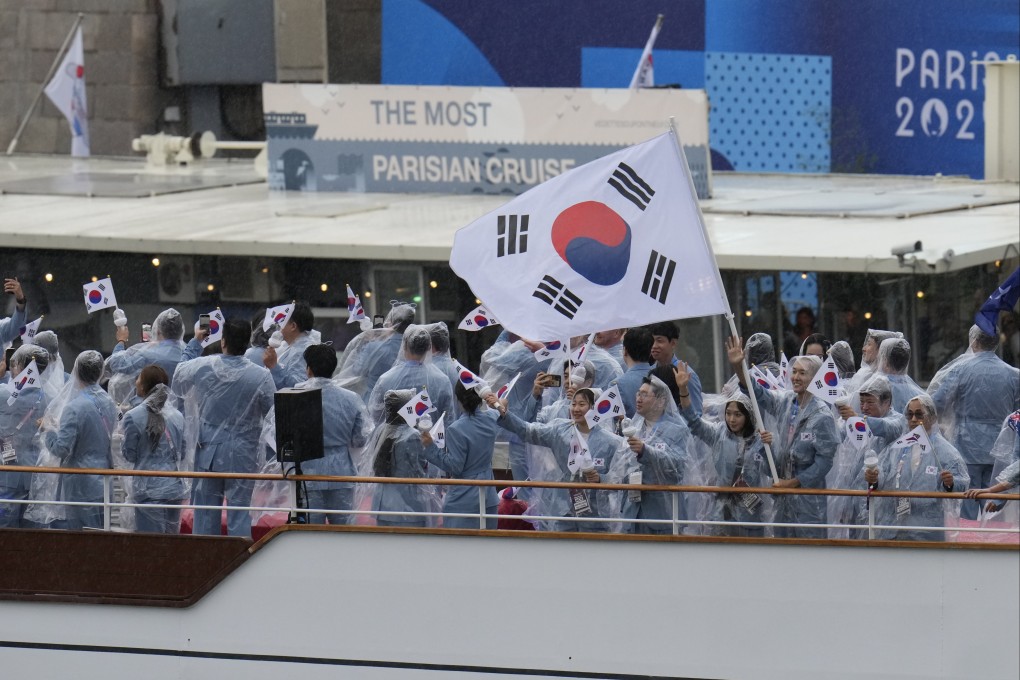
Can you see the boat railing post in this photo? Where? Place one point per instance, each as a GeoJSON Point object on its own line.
{"type": "Point", "coordinates": [481, 507]}
{"type": "Point", "coordinates": [675, 497]}
{"type": "Point", "coordinates": [871, 518]}
{"type": "Point", "coordinates": [106, 501]}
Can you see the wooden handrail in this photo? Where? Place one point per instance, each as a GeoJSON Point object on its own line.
{"type": "Point", "coordinates": [501, 483]}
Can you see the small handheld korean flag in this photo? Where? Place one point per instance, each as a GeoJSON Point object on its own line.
{"type": "Point", "coordinates": [419, 405]}
{"type": "Point", "coordinates": [27, 378]}
{"type": "Point", "coordinates": [216, 322]}
{"type": "Point", "coordinates": [355, 310]}
{"type": "Point", "coordinates": [478, 319]}
{"type": "Point", "coordinates": [468, 379]}
{"type": "Point", "coordinates": [763, 378]}
{"type": "Point", "coordinates": [784, 371]}
{"type": "Point", "coordinates": [614, 243]}
{"type": "Point", "coordinates": [858, 433]}
{"type": "Point", "coordinates": [505, 390]}
{"type": "Point", "coordinates": [609, 405]}
{"type": "Point", "coordinates": [99, 295]}
{"type": "Point", "coordinates": [826, 384]}
{"type": "Point", "coordinates": [279, 315]}
{"type": "Point", "coordinates": [916, 436]}
{"type": "Point", "coordinates": [29, 330]}
{"type": "Point", "coordinates": [579, 457]}
{"type": "Point", "coordinates": [438, 432]}
{"type": "Point", "coordinates": [555, 350]}
{"type": "Point", "coordinates": [581, 353]}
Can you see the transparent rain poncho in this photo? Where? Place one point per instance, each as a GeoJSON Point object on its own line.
{"type": "Point", "coordinates": [893, 362]}
{"type": "Point", "coordinates": [909, 468]}
{"type": "Point", "coordinates": [76, 432]}
{"type": "Point", "coordinates": [152, 438]}
{"type": "Point", "coordinates": [226, 399]}
{"type": "Point", "coordinates": [872, 342]}
{"type": "Point", "coordinates": [847, 470]}
{"type": "Point", "coordinates": [441, 359]}
{"type": "Point", "coordinates": [164, 350]}
{"type": "Point", "coordinates": [413, 370]}
{"type": "Point", "coordinates": [973, 393]}
{"type": "Point", "coordinates": [758, 351]}
{"type": "Point", "coordinates": [19, 433]}
{"type": "Point", "coordinates": [843, 355]}
{"type": "Point", "coordinates": [737, 461]}
{"type": "Point", "coordinates": [555, 401]}
{"type": "Point", "coordinates": [803, 447]}
{"type": "Point", "coordinates": [395, 450]}
{"type": "Point", "coordinates": [607, 368]}
{"type": "Point", "coordinates": [551, 461]}
{"type": "Point", "coordinates": [54, 377]}
{"type": "Point", "coordinates": [371, 353]}
{"type": "Point", "coordinates": [663, 459]}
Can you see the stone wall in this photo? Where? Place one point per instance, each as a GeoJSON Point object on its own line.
{"type": "Point", "coordinates": [121, 71]}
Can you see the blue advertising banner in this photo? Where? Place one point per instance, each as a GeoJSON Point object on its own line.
{"type": "Point", "coordinates": [864, 86]}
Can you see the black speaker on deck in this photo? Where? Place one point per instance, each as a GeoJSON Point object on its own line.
{"type": "Point", "coordinates": [298, 424]}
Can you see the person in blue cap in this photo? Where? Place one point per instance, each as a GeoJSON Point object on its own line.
{"type": "Point", "coordinates": [80, 437]}
{"type": "Point", "coordinates": [973, 394]}
{"type": "Point", "coordinates": [467, 455]}
{"type": "Point", "coordinates": [227, 397]}
{"type": "Point", "coordinates": [805, 444]}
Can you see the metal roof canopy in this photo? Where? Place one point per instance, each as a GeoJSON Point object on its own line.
{"type": "Point", "coordinates": [840, 223]}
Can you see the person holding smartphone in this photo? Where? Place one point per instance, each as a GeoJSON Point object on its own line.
{"type": "Point", "coordinates": [10, 327]}
{"type": "Point", "coordinates": [164, 350]}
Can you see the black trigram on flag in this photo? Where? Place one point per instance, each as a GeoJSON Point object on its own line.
{"type": "Point", "coordinates": [512, 235]}
{"type": "Point", "coordinates": [631, 186]}
{"type": "Point", "coordinates": [559, 296]}
{"type": "Point", "coordinates": [658, 276]}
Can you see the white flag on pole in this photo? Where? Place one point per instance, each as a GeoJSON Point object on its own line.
{"type": "Point", "coordinates": [615, 243]}
{"type": "Point", "coordinates": [644, 75]}
{"type": "Point", "coordinates": [579, 457]}
{"type": "Point", "coordinates": [609, 404]}
{"type": "Point", "coordinates": [419, 405]}
{"type": "Point", "coordinates": [784, 371]}
{"type": "Point", "coordinates": [857, 432]}
{"type": "Point", "coordinates": [826, 384]}
{"type": "Point", "coordinates": [438, 432]}
{"type": "Point", "coordinates": [67, 92]}
{"type": "Point", "coordinates": [764, 378]}
{"type": "Point", "coordinates": [477, 319]}
{"type": "Point", "coordinates": [216, 322]}
{"type": "Point", "coordinates": [279, 315]}
{"type": "Point", "coordinates": [99, 295]}
{"type": "Point", "coordinates": [29, 330]}
{"type": "Point", "coordinates": [555, 350]}
{"type": "Point", "coordinates": [355, 310]}
{"type": "Point", "coordinates": [27, 378]}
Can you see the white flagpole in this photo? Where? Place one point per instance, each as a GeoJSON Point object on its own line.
{"type": "Point", "coordinates": [46, 81]}
{"type": "Point", "coordinates": [722, 290]}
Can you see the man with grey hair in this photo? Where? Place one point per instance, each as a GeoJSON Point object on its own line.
{"type": "Point", "coordinates": [974, 393]}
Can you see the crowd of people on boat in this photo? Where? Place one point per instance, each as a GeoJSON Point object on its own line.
{"type": "Point", "coordinates": [619, 407]}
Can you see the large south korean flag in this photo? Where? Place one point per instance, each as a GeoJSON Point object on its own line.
{"type": "Point", "coordinates": [615, 243]}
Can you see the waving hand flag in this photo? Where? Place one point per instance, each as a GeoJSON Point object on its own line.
{"type": "Point", "coordinates": [826, 384]}
{"type": "Point", "coordinates": [615, 243]}
{"type": "Point", "coordinates": [580, 457]}
{"type": "Point", "coordinates": [216, 322]}
{"type": "Point", "coordinates": [355, 311]}
{"type": "Point", "coordinates": [279, 315]}
{"type": "Point", "coordinates": [764, 378]}
{"type": "Point", "coordinates": [468, 379]}
{"type": "Point", "coordinates": [438, 432]}
{"type": "Point", "coordinates": [609, 404]}
{"type": "Point", "coordinates": [27, 378]}
{"type": "Point", "coordinates": [784, 371]}
{"type": "Point", "coordinates": [29, 330]}
{"type": "Point", "coordinates": [857, 432]}
{"type": "Point", "coordinates": [503, 391]}
{"type": "Point", "coordinates": [477, 319]}
{"type": "Point", "coordinates": [916, 436]}
{"type": "Point", "coordinates": [419, 405]}
{"type": "Point", "coordinates": [555, 350]}
{"type": "Point", "coordinates": [99, 295]}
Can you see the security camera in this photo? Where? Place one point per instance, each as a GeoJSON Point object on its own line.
{"type": "Point", "coordinates": [906, 249]}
